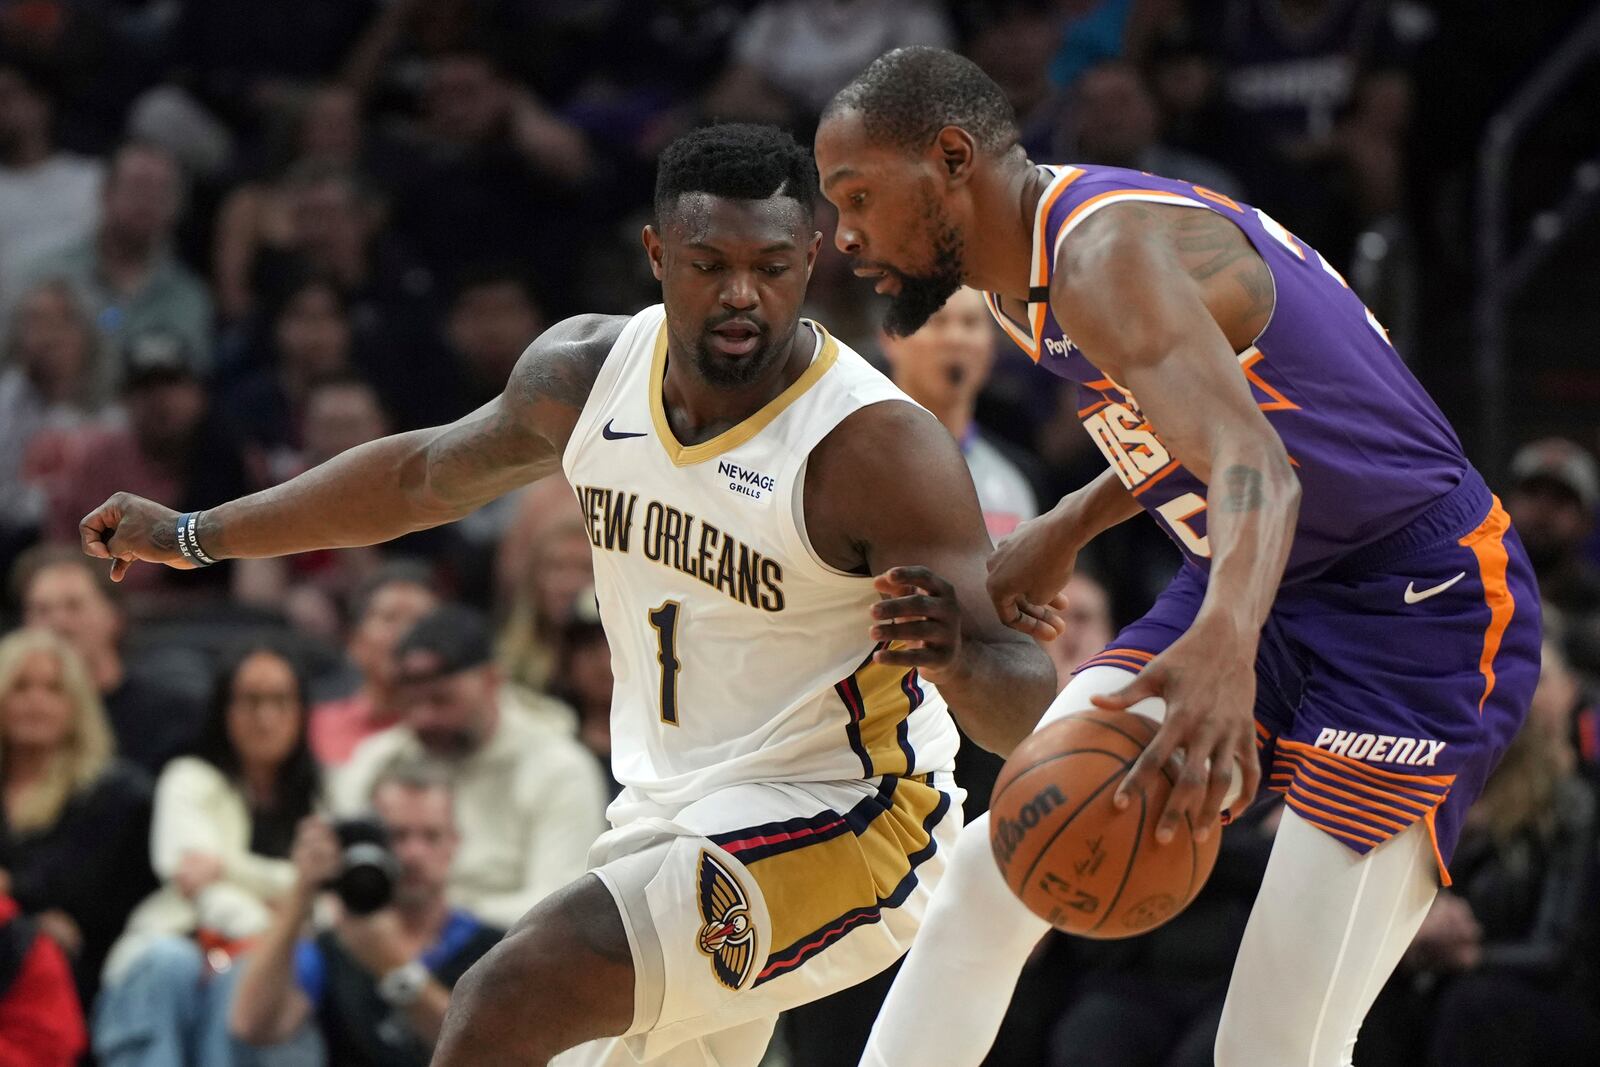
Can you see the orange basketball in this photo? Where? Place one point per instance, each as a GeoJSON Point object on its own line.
{"type": "Point", "coordinates": [1069, 854]}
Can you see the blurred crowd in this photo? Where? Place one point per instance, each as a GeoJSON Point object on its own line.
{"type": "Point", "coordinates": [239, 238]}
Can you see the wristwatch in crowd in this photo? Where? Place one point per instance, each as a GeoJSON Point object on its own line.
{"type": "Point", "coordinates": [401, 987]}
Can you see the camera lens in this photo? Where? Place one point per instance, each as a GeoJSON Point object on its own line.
{"type": "Point", "coordinates": [367, 869]}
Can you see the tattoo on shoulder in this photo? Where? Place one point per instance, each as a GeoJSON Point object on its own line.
{"type": "Point", "coordinates": [1243, 485]}
{"type": "Point", "coordinates": [562, 365]}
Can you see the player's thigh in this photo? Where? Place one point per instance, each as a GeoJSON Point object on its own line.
{"type": "Point", "coordinates": [1328, 928]}
{"type": "Point", "coordinates": [765, 896]}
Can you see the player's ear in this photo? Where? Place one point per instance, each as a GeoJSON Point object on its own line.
{"type": "Point", "coordinates": [811, 253]}
{"type": "Point", "coordinates": [957, 153]}
{"type": "Point", "coordinates": [654, 248]}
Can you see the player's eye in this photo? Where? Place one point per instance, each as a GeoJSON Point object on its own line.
{"type": "Point", "coordinates": [775, 269]}
{"type": "Point", "coordinates": [706, 268]}
{"type": "Point", "coordinates": [858, 199]}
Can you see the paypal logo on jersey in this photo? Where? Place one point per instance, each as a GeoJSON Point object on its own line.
{"type": "Point", "coordinates": [1057, 348]}
{"type": "Point", "coordinates": [744, 481]}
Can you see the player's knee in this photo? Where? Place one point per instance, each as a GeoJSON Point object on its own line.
{"type": "Point", "coordinates": [561, 977]}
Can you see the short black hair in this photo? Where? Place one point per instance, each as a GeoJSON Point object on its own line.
{"type": "Point", "coordinates": [907, 96]}
{"type": "Point", "coordinates": [739, 161]}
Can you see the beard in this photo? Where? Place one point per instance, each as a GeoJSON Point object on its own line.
{"type": "Point", "coordinates": [921, 295]}
{"type": "Point", "coordinates": [736, 372]}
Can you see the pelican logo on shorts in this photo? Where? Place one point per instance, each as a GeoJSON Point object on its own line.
{"type": "Point", "coordinates": [728, 937]}
{"type": "Point", "coordinates": [1028, 816]}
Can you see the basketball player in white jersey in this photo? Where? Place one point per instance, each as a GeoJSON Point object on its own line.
{"type": "Point", "coordinates": [779, 722]}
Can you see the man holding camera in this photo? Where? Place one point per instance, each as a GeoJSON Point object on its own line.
{"type": "Point", "coordinates": [530, 799]}
{"type": "Point", "coordinates": [375, 985]}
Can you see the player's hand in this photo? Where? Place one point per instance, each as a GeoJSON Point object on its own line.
{"type": "Point", "coordinates": [129, 528]}
{"type": "Point", "coordinates": [1208, 679]}
{"type": "Point", "coordinates": [1027, 572]}
{"type": "Point", "coordinates": [922, 616]}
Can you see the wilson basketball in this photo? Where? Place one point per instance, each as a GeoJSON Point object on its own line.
{"type": "Point", "coordinates": [1069, 854]}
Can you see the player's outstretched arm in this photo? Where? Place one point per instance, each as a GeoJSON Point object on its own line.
{"type": "Point", "coordinates": [1145, 321]}
{"type": "Point", "coordinates": [389, 487]}
{"type": "Point", "coordinates": [888, 493]}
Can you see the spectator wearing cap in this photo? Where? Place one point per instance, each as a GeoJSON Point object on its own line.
{"type": "Point", "coordinates": [530, 799]}
{"type": "Point", "coordinates": [1555, 488]}
{"type": "Point", "coordinates": [172, 448]}
{"type": "Point", "coordinates": [127, 270]}
{"type": "Point", "coordinates": [66, 592]}
{"type": "Point", "coordinates": [386, 607]}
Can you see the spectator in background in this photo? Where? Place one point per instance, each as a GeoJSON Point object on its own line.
{"type": "Point", "coordinates": [493, 318]}
{"type": "Point", "coordinates": [224, 822]}
{"type": "Point", "coordinates": [41, 1021]}
{"type": "Point", "coordinates": [492, 173]}
{"type": "Point", "coordinates": [1562, 695]}
{"type": "Point", "coordinates": [1514, 939]}
{"type": "Point", "coordinates": [260, 214]}
{"type": "Point", "coordinates": [558, 574]}
{"type": "Point", "coordinates": [583, 680]}
{"type": "Point", "coordinates": [76, 820]}
{"type": "Point", "coordinates": [529, 799]}
{"type": "Point", "coordinates": [1111, 119]}
{"type": "Point", "coordinates": [338, 235]}
{"type": "Point", "coordinates": [244, 61]}
{"type": "Point", "coordinates": [1317, 86]}
{"type": "Point", "coordinates": [127, 270]}
{"type": "Point", "coordinates": [375, 986]}
{"type": "Point", "coordinates": [340, 412]}
{"type": "Point", "coordinates": [54, 379]}
{"type": "Point", "coordinates": [944, 367]}
{"type": "Point", "coordinates": [791, 56]}
{"type": "Point", "coordinates": [66, 592]}
{"type": "Point", "coordinates": [1089, 625]}
{"type": "Point", "coordinates": [48, 198]}
{"type": "Point", "coordinates": [173, 448]}
{"type": "Point", "coordinates": [311, 339]}
{"type": "Point", "coordinates": [385, 608]}
{"type": "Point", "coordinates": [1555, 489]}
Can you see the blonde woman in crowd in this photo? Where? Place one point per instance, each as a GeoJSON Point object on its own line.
{"type": "Point", "coordinates": [73, 844]}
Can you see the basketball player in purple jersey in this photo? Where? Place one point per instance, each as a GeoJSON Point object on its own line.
{"type": "Point", "coordinates": [1355, 616]}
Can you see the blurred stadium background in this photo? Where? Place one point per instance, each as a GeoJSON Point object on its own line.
{"type": "Point", "coordinates": [238, 237]}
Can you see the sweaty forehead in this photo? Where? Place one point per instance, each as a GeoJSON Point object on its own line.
{"type": "Point", "coordinates": [701, 218]}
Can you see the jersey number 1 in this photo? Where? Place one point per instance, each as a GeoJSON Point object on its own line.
{"type": "Point", "coordinates": [665, 621]}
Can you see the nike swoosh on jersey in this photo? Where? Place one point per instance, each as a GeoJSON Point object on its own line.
{"type": "Point", "coordinates": [1413, 596]}
{"type": "Point", "coordinates": [617, 435]}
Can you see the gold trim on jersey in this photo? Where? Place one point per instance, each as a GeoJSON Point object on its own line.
{"type": "Point", "coordinates": [817, 893]}
{"type": "Point", "coordinates": [684, 455]}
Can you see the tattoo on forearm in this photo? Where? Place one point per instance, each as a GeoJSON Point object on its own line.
{"type": "Point", "coordinates": [1243, 486]}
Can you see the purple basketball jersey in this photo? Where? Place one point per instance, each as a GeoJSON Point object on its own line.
{"type": "Point", "coordinates": [1371, 449]}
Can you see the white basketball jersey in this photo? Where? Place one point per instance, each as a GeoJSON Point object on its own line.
{"type": "Point", "coordinates": [738, 655]}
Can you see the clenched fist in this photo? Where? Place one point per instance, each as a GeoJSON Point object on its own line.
{"type": "Point", "coordinates": [128, 528]}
